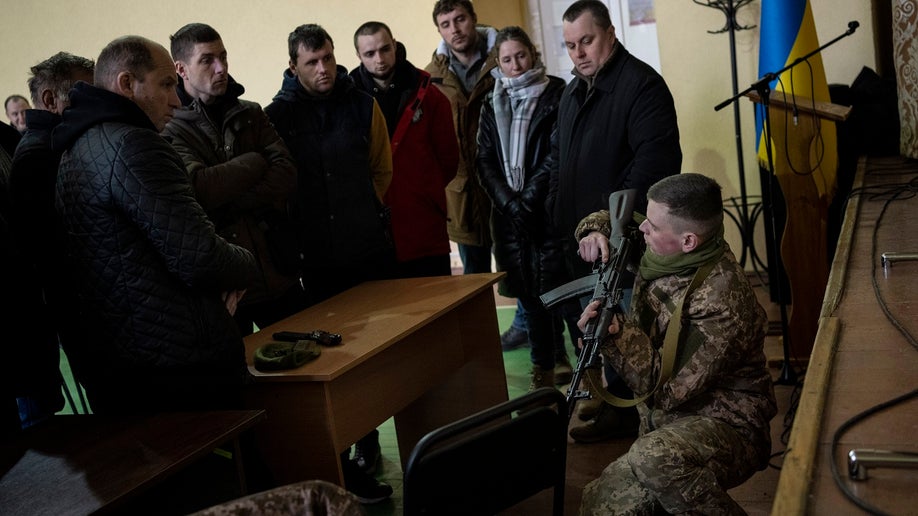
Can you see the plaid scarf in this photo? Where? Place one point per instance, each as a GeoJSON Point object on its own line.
{"type": "Point", "coordinates": [515, 100]}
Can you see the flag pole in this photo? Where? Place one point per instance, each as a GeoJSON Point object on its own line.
{"type": "Point", "coordinates": [763, 88]}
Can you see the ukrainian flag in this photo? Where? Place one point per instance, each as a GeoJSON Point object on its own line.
{"type": "Point", "coordinates": [787, 32]}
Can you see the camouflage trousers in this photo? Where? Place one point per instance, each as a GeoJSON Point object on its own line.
{"type": "Point", "coordinates": [684, 467]}
{"type": "Point", "coordinates": [311, 497]}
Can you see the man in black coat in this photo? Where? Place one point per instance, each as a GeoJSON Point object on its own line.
{"type": "Point", "coordinates": [339, 140]}
{"type": "Point", "coordinates": [35, 225]}
{"type": "Point", "coordinates": [616, 130]}
{"type": "Point", "coordinates": [156, 285]}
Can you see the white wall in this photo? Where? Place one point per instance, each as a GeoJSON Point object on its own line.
{"type": "Point", "coordinates": [695, 64]}
{"type": "Point", "coordinates": [255, 32]}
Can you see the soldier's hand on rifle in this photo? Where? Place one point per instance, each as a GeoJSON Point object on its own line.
{"type": "Point", "coordinates": [591, 311]}
{"type": "Point", "coordinates": [593, 247]}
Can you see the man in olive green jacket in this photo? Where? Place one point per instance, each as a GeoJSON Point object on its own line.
{"type": "Point", "coordinates": [461, 68]}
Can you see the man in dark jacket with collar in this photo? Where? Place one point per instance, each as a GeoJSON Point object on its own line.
{"type": "Point", "coordinates": [616, 130]}
{"type": "Point", "coordinates": [240, 169]}
{"type": "Point", "coordinates": [36, 226]}
{"type": "Point", "coordinates": [424, 149]}
{"type": "Point", "coordinates": [338, 137]}
{"type": "Point", "coordinates": [156, 285]}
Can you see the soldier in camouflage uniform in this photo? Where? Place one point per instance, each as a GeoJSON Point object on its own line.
{"type": "Point", "coordinates": [707, 428]}
{"type": "Point", "coordinates": [308, 498]}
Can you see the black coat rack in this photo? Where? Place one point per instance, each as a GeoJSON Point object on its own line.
{"type": "Point", "coordinates": [744, 220]}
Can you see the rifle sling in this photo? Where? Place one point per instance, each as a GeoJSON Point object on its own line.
{"type": "Point", "coordinates": [670, 349]}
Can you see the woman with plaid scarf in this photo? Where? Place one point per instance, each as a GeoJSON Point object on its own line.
{"type": "Point", "coordinates": [514, 162]}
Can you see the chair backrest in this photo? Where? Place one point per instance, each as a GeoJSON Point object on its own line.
{"type": "Point", "coordinates": [491, 460]}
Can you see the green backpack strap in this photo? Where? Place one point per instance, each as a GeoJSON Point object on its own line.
{"type": "Point", "coordinates": [670, 348]}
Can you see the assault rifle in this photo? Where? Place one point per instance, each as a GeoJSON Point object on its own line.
{"type": "Point", "coordinates": [606, 284]}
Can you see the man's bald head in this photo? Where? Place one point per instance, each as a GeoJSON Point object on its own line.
{"type": "Point", "coordinates": [143, 71]}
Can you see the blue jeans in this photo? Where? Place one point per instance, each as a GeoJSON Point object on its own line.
{"type": "Point", "coordinates": [569, 317]}
{"type": "Point", "coordinates": [540, 328]}
{"type": "Point", "coordinates": [519, 318]}
{"type": "Point", "coordinates": [475, 258]}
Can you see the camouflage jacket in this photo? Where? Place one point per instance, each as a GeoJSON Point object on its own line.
{"type": "Point", "coordinates": [720, 369]}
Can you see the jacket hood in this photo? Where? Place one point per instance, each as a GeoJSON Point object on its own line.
{"type": "Point", "coordinates": [41, 120]}
{"type": "Point", "coordinates": [484, 31]}
{"type": "Point", "coordinates": [91, 106]}
{"type": "Point", "coordinates": [234, 90]}
{"type": "Point", "coordinates": [291, 89]}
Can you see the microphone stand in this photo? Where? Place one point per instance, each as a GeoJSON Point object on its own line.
{"type": "Point", "coordinates": [763, 88]}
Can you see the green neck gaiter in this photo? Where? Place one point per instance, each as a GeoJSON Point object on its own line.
{"type": "Point", "coordinates": [654, 266]}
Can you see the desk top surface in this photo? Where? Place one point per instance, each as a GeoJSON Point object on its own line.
{"type": "Point", "coordinates": [369, 317]}
{"type": "Point", "coordinates": [81, 463]}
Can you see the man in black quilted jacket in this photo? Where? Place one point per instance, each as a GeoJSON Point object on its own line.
{"type": "Point", "coordinates": [156, 286]}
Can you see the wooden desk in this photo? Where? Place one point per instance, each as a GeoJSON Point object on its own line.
{"type": "Point", "coordinates": [86, 463]}
{"type": "Point", "coordinates": [860, 360]}
{"type": "Point", "coordinates": [426, 350]}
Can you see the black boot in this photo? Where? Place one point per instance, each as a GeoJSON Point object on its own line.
{"type": "Point", "coordinates": [610, 423]}
{"type": "Point", "coordinates": [367, 453]}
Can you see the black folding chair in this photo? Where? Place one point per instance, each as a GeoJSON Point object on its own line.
{"type": "Point", "coordinates": [491, 460]}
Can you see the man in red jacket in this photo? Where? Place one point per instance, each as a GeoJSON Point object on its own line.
{"type": "Point", "coordinates": [425, 154]}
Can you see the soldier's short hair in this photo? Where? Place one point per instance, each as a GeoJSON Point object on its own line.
{"type": "Point", "coordinates": [369, 28]}
{"type": "Point", "coordinates": [693, 198]}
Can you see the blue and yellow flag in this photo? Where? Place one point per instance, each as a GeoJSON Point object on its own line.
{"type": "Point", "coordinates": [787, 33]}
